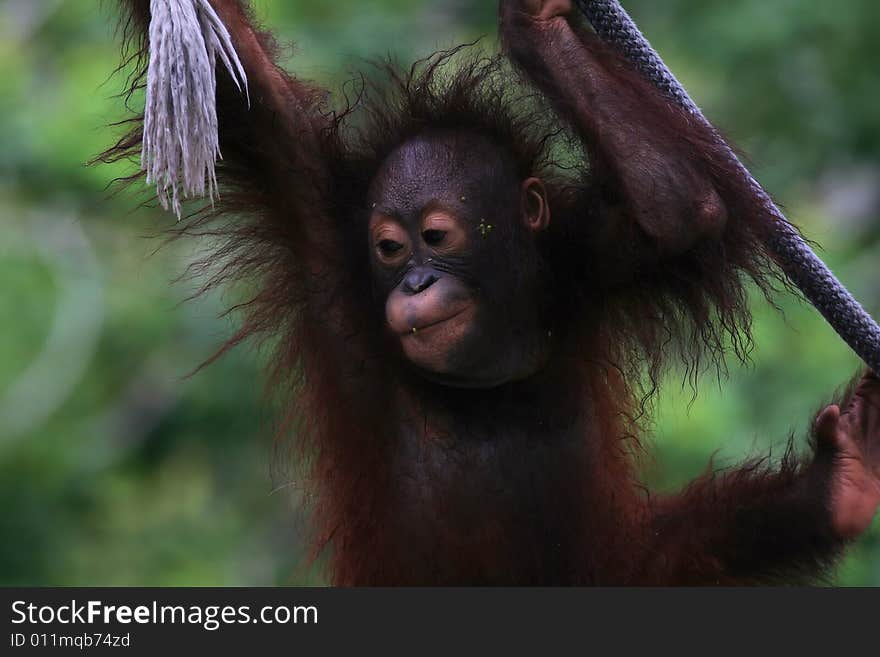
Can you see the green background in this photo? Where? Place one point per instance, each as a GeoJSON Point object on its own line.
{"type": "Point", "coordinates": [117, 468]}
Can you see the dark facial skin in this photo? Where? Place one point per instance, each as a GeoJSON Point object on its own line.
{"type": "Point", "coordinates": [452, 241]}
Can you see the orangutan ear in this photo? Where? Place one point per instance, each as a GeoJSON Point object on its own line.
{"type": "Point", "coordinates": [535, 207]}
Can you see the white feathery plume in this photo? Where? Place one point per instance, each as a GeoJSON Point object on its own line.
{"type": "Point", "coordinates": [181, 143]}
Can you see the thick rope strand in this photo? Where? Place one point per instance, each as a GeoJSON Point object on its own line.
{"type": "Point", "coordinates": [181, 143]}
{"type": "Point", "coordinates": [793, 255]}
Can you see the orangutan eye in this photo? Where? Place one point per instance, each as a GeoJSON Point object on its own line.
{"type": "Point", "coordinates": [434, 237]}
{"type": "Point", "coordinates": [389, 247]}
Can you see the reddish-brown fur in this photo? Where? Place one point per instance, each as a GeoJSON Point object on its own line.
{"type": "Point", "coordinates": [294, 179]}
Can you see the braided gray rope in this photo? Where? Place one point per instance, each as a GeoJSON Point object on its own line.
{"type": "Point", "coordinates": [793, 255]}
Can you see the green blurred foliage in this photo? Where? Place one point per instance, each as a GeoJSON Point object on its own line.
{"type": "Point", "coordinates": [117, 468]}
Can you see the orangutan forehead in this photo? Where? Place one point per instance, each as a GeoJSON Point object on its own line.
{"type": "Point", "coordinates": [455, 168]}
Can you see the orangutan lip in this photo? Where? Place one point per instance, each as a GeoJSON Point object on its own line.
{"type": "Point", "coordinates": [417, 329]}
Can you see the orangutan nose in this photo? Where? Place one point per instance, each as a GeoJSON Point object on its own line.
{"type": "Point", "coordinates": [418, 280]}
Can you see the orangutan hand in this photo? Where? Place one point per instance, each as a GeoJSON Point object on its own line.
{"type": "Point", "coordinates": [540, 10]}
{"type": "Point", "coordinates": [850, 439]}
